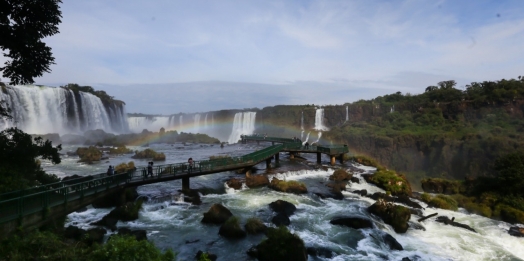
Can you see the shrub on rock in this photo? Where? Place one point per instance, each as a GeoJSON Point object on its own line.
{"type": "Point", "coordinates": [149, 154]}
{"type": "Point", "coordinates": [89, 155]}
{"type": "Point", "coordinates": [394, 215]}
{"type": "Point", "coordinates": [390, 181]}
{"type": "Point", "coordinates": [217, 214]}
{"type": "Point", "coordinates": [254, 226]}
{"type": "Point", "coordinates": [231, 229]}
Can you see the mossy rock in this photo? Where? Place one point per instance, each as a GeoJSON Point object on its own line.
{"type": "Point", "coordinates": [390, 181]}
{"type": "Point", "coordinates": [395, 215]}
{"type": "Point", "coordinates": [149, 154]}
{"type": "Point", "coordinates": [340, 175]}
{"type": "Point", "coordinates": [442, 186]}
{"type": "Point", "coordinates": [281, 245]}
{"type": "Point", "coordinates": [217, 214]}
{"type": "Point", "coordinates": [89, 155]}
{"type": "Point", "coordinates": [254, 181]}
{"type": "Point", "coordinates": [125, 167]}
{"type": "Point", "coordinates": [231, 229]}
{"type": "Point", "coordinates": [234, 183]}
{"type": "Point", "coordinates": [254, 226]}
{"type": "Point", "coordinates": [288, 186]}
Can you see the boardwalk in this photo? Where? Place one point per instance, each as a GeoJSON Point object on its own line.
{"type": "Point", "coordinates": [35, 206]}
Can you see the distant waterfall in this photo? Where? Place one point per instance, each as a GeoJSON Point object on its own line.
{"type": "Point", "coordinates": [151, 123]}
{"type": "Point", "coordinates": [392, 109]}
{"type": "Point", "coordinates": [196, 127]}
{"type": "Point", "coordinates": [318, 138]}
{"type": "Point", "coordinates": [212, 120]}
{"type": "Point", "coordinates": [302, 121]}
{"type": "Point", "coordinates": [205, 122]}
{"type": "Point", "coordinates": [181, 120]}
{"type": "Point", "coordinates": [319, 120]}
{"type": "Point", "coordinates": [347, 114]}
{"type": "Point", "coordinates": [243, 124]}
{"type": "Point", "coordinates": [41, 110]}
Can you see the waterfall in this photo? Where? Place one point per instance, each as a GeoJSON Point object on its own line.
{"type": "Point", "coordinates": [41, 110]}
{"type": "Point", "coordinates": [243, 124]}
{"type": "Point", "coordinates": [319, 120]}
{"type": "Point", "coordinates": [392, 109]}
{"type": "Point", "coordinates": [318, 138]}
{"type": "Point", "coordinates": [212, 120]}
{"type": "Point", "coordinates": [205, 122]}
{"type": "Point", "coordinates": [302, 122]}
{"type": "Point", "coordinates": [181, 121]}
{"type": "Point", "coordinates": [151, 123]}
{"type": "Point", "coordinates": [307, 138]}
{"type": "Point", "coordinates": [302, 135]}
{"type": "Point", "coordinates": [196, 128]}
{"type": "Point", "coordinates": [347, 114]}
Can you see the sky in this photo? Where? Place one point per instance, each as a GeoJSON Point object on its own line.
{"type": "Point", "coordinates": [165, 57]}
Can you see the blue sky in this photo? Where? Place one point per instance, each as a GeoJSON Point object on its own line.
{"type": "Point", "coordinates": [165, 57]}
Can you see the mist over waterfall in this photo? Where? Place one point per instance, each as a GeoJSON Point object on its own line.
{"type": "Point", "coordinates": [205, 122]}
{"type": "Point", "coordinates": [319, 120]}
{"type": "Point", "coordinates": [181, 120]}
{"type": "Point", "coordinates": [41, 110]}
{"type": "Point", "coordinates": [243, 124]}
{"type": "Point", "coordinates": [151, 123]}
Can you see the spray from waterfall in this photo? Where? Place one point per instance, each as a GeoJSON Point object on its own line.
{"type": "Point", "coordinates": [243, 124]}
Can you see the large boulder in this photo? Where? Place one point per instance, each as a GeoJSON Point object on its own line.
{"type": "Point", "coordinates": [191, 196]}
{"type": "Point", "coordinates": [234, 183]}
{"type": "Point", "coordinates": [281, 219]}
{"type": "Point", "coordinates": [74, 232]}
{"type": "Point", "coordinates": [282, 206]}
{"type": "Point", "coordinates": [280, 245]}
{"type": "Point", "coordinates": [394, 215]}
{"type": "Point", "coordinates": [139, 234]}
{"type": "Point", "coordinates": [231, 229]}
{"type": "Point", "coordinates": [516, 231]}
{"type": "Point", "coordinates": [352, 222]}
{"type": "Point", "coordinates": [288, 186]}
{"type": "Point", "coordinates": [391, 242]}
{"type": "Point", "coordinates": [217, 214]}
{"type": "Point", "coordinates": [340, 175]}
{"type": "Point", "coordinates": [127, 212]}
{"type": "Point", "coordinates": [254, 181]}
{"type": "Point", "coordinates": [116, 199]}
{"type": "Point", "coordinates": [95, 235]}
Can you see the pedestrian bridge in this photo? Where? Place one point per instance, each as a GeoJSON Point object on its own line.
{"type": "Point", "coordinates": [33, 207]}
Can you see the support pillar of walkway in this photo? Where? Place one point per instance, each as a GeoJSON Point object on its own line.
{"type": "Point", "coordinates": [268, 163]}
{"type": "Point", "coordinates": [319, 156]}
{"type": "Point", "coordinates": [277, 157]}
{"type": "Point", "coordinates": [248, 172]}
{"type": "Point", "coordinates": [185, 183]}
{"type": "Point", "coordinates": [333, 159]}
{"type": "Point", "coordinates": [272, 143]}
{"type": "Point", "coordinates": [291, 155]}
{"type": "Point", "coordinates": [341, 158]}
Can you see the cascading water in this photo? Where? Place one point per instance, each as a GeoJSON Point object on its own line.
{"type": "Point", "coordinates": [196, 127]}
{"type": "Point", "coordinates": [392, 109]}
{"type": "Point", "coordinates": [318, 138]}
{"type": "Point", "coordinates": [347, 114]}
{"type": "Point", "coordinates": [205, 122]}
{"type": "Point", "coordinates": [151, 123]}
{"type": "Point", "coordinates": [243, 124]}
{"type": "Point", "coordinates": [41, 110]}
{"type": "Point", "coordinates": [302, 126]}
{"type": "Point", "coordinates": [307, 138]}
{"type": "Point", "coordinates": [181, 120]}
{"type": "Point", "coordinates": [319, 120]}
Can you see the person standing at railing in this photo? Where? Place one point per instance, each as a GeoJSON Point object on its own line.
{"type": "Point", "coordinates": [190, 165]}
{"type": "Point", "coordinates": [110, 171]}
{"type": "Point", "coordinates": [150, 169]}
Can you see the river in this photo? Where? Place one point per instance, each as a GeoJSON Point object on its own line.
{"type": "Point", "coordinates": [172, 223]}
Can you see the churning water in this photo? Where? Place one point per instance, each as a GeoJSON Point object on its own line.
{"type": "Point", "coordinates": [172, 223]}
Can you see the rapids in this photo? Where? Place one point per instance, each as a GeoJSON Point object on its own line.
{"type": "Point", "coordinates": [172, 223]}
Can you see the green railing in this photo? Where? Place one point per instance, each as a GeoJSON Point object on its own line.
{"type": "Point", "coordinates": [333, 149]}
{"type": "Point", "coordinates": [274, 139]}
{"type": "Point", "coordinates": [15, 205]}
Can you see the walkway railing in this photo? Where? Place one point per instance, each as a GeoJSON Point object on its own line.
{"type": "Point", "coordinates": [14, 205]}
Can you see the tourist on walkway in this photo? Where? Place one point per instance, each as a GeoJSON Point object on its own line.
{"type": "Point", "coordinates": [150, 169]}
{"type": "Point", "coordinates": [190, 165]}
{"type": "Point", "coordinates": [110, 171]}
{"type": "Point", "coordinates": [307, 145]}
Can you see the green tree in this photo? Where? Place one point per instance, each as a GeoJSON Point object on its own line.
{"type": "Point", "coordinates": [23, 25]}
{"type": "Point", "coordinates": [20, 167]}
{"type": "Point", "coordinates": [510, 173]}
